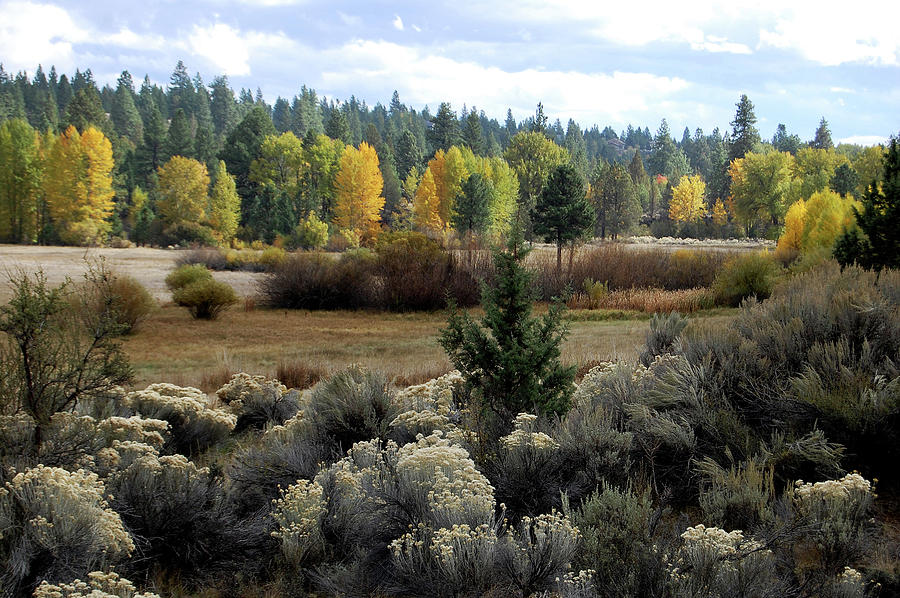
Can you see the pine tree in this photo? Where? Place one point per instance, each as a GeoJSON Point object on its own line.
{"type": "Point", "coordinates": [444, 132]}
{"type": "Point", "coordinates": [281, 115]}
{"type": "Point", "coordinates": [512, 359]}
{"type": "Point", "coordinates": [338, 127]}
{"type": "Point", "coordinates": [875, 240]}
{"type": "Point", "coordinates": [822, 139]}
{"type": "Point", "coordinates": [472, 212]}
{"type": "Point", "coordinates": [563, 213]}
{"type": "Point", "coordinates": [473, 136]}
{"type": "Point", "coordinates": [180, 138]}
{"type": "Point", "coordinates": [124, 113]}
{"type": "Point", "coordinates": [744, 134]}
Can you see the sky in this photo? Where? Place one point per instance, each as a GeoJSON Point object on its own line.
{"type": "Point", "coordinates": [598, 62]}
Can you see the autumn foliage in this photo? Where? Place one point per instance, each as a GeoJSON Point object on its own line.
{"type": "Point", "coordinates": [358, 185]}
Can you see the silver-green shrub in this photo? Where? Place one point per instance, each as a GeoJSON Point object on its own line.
{"type": "Point", "coordinates": [64, 515]}
{"type": "Point", "coordinates": [616, 538]}
{"type": "Point", "coordinates": [739, 497]}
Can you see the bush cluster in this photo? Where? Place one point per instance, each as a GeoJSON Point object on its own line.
{"type": "Point", "coordinates": [715, 466]}
{"type": "Point", "coordinates": [193, 287]}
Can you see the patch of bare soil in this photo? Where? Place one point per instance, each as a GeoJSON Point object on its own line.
{"type": "Point", "coordinates": [148, 266]}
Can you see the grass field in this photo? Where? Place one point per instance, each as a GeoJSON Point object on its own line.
{"type": "Point", "coordinates": [171, 347]}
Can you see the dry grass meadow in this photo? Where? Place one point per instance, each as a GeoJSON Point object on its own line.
{"type": "Point", "coordinates": [172, 347]}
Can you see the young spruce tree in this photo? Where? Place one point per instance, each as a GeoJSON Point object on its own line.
{"type": "Point", "coordinates": [512, 359]}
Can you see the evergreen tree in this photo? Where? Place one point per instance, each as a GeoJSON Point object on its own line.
{"type": "Point", "coordinates": [181, 90]}
{"type": "Point", "coordinates": [222, 106]}
{"type": "Point", "coordinates": [337, 126]}
{"type": "Point", "coordinates": [783, 142]}
{"type": "Point", "coordinates": [180, 138]}
{"type": "Point", "coordinates": [744, 134]}
{"type": "Point", "coordinates": [875, 240]}
{"type": "Point", "coordinates": [473, 136]}
{"type": "Point", "coordinates": [539, 125]}
{"type": "Point", "coordinates": [243, 146]}
{"type": "Point", "coordinates": [409, 155]}
{"type": "Point", "coordinates": [822, 139]}
{"type": "Point", "coordinates": [512, 359]}
{"type": "Point", "coordinates": [281, 116]}
{"type": "Point", "coordinates": [85, 110]}
{"type": "Point", "coordinates": [563, 213]}
{"type": "Point", "coordinates": [305, 114]}
{"type": "Point", "coordinates": [845, 180]}
{"type": "Point", "coordinates": [577, 148]}
{"type": "Point", "coordinates": [124, 113]}
{"type": "Point", "coordinates": [151, 153]}
{"type": "Point", "coordinates": [472, 205]}
{"type": "Point", "coordinates": [444, 132]}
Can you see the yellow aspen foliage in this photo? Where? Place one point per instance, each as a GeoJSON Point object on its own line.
{"type": "Point", "coordinates": [687, 204]}
{"type": "Point", "coordinates": [794, 221]}
{"type": "Point", "coordinates": [358, 198]}
{"type": "Point", "coordinates": [281, 163]}
{"type": "Point", "coordinates": [505, 186]}
{"type": "Point", "coordinates": [827, 216]}
{"type": "Point", "coordinates": [449, 171]}
{"type": "Point", "coordinates": [719, 213]}
{"type": "Point", "coordinates": [426, 205]}
{"type": "Point", "coordinates": [224, 208]}
{"type": "Point", "coordinates": [183, 184]}
{"type": "Point", "coordinates": [78, 186]}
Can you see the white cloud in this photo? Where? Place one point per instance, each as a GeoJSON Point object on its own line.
{"type": "Point", "coordinates": [841, 90]}
{"type": "Point", "coordinates": [865, 140]}
{"type": "Point", "coordinates": [417, 29]}
{"type": "Point", "coordinates": [230, 51]}
{"type": "Point", "coordinates": [32, 33]}
{"type": "Point", "coordinates": [864, 33]}
{"type": "Point", "coordinates": [429, 78]}
{"type": "Point", "coordinates": [350, 20]}
{"type": "Point", "coordinates": [398, 23]}
{"type": "Point", "coordinates": [126, 38]}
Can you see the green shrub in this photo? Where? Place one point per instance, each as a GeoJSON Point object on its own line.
{"type": "Point", "coordinates": [205, 299]}
{"type": "Point", "coordinates": [184, 275]}
{"type": "Point", "coordinates": [736, 498]}
{"type": "Point", "coordinates": [311, 233]}
{"type": "Point", "coordinates": [749, 275]}
{"type": "Point", "coordinates": [616, 531]}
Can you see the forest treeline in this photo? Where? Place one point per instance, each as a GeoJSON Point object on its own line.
{"type": "Point", "coordinates": [198, 163]}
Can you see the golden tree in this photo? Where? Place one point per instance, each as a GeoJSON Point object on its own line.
{"type": "Point", "coordinates": [719, 213]}
{"type": "Point", "coordinates": [687, 203]}
{"type": "Point", "coordinates": [183, 184]}
{"type": "Point", "coordinates": [78, 185]}
{"type": "Point", "coordinates": [426, 204]}
{"type": "Point", "coordinates": [224, 208]}
{"type": "Point", "coordinates": [357, 186]}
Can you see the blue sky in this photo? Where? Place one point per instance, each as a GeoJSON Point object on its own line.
{"type": "Point", "coordinates": [637, 62]}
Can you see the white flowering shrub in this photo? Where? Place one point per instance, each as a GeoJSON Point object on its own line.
{"type": "Point", "coordinates": [524, 438]}
{"type": "Point", "coordinates": [454, 561]}
{"type": "Point", "coordinates": [525, 469]}
{"type": "Point", "coordinates": [840, 511]}
{"type": "Point", "coordinates": [98, 585]}
{"type": "Point", "coordinates": [257, 401]}
{"type": "Point", "coordinates": [57, 524]}
{"type": "Point", "coordinates": [298, 515]}
{"type": "Point", "coordinates": [537, 551]}
{"type": "Point", "coordinates": [431, 406]}
{"type": "Point", "coordinates": [194, 424]}
{"type": "Point", "coordinates": [713, 562]}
